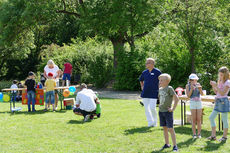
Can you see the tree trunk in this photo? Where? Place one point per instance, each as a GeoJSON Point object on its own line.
{"type": "Point", "coordinates": [118, 47]}
{"type": "Point", "coordinates": [191, 50]}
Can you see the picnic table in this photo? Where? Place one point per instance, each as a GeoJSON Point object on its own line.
{"type": "Point", "coordinates": [58, 89]}
{"type": "Point", "coordinates": [207, 98]}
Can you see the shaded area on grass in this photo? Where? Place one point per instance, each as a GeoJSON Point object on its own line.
{"type": "Point", "coordinates": [75, 122]}
{"type": "Point", "coordinates": [32, 113]}
{"type": "Point", "coordinates": [143, 129]}
{"type": "Point", "coordinates": [212, 146]}
{"type": "Point", "coordinates": [188, 131]}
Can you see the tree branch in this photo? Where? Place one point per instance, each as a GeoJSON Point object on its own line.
{"type": "Point", "coordinates": [68, 12]}
{"type": "Point", "coordinates": [141, 34]}
{"type": "Point", "coordinates": [63, 1]}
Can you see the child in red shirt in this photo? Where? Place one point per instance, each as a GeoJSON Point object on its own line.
{"type": "Point", "coordinates": [67, 74]}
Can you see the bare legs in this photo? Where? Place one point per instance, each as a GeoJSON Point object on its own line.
{"type": "Point", "coordinates": [166, 136]}
{"type": "Point", "coordinates": [196, 120]}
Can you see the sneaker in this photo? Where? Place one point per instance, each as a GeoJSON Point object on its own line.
{"type": "Point", "coordinates": [141, 103]}
{"type": "Point", "coordinates": [212, 138]}
{"type": "Point", "coordinates": [45, 109]}
{"type": "Point", "coordinates": [34, 110]}
{"type": "Point", "coordinates": [151, 125]}
{"type": "Point", "coordinates": [194, 136]}
{"type": "Point", "coordinates": [99, 115]}
{"type": "Point", "coordinates": [223, 139]}
{"type": "Point", "coordinates": [175, 149]}
{"type": "Point", "coordinates": [199, 136]}
{"type": "Point", "coordinates": [86, 118]}
{"type": "Point", "coordinates": [91, 117]}
{"type": "Point", "coordinates": [165, 146]}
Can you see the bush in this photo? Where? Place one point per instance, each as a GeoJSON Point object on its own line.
{"type": "Point", "coordinates": [91, 59]}
{"type": "Point", "coordinates": [5, 84]}
{"type": "Point", "coordinates": [130, 67]}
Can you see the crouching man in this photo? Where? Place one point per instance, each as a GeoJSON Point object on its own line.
{"type": "Point", "coordinates": [85, 103]}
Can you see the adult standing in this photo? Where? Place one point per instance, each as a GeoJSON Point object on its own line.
{"type": "Point", "coordinates": [150, 86]}
{"type": "Point", "coordinates": [54, 69]}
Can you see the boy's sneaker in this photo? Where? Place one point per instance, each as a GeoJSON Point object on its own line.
{"type": "Point", "coordinates": [175, 149]}
{"type": "Point", "coordinates": [199, 136]}
{"type": "Point", "coordinates": [194, 136]}
{"type": "Point", "coordinates": [86, 118]}
{"type": "Point", "coordinates": [165, 146]}
{"type": "Point", "coordinates": [141, 103]}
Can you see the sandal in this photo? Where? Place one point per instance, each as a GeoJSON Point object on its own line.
{"type": "Point", "coordinates": [212, 138]}
{"type": "Point", "coordinates": [222, 139]}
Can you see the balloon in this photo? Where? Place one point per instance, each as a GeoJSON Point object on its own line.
{"type": "Point", "coordinates": [1, 95]}
{"type": "Point", "coordinates": [66, 93]}
{"type": "Point", "coordinates": [72, 89]}
{"type": "Point", "coordinates": [6, 98]}
{"type": "Point", "coordinates": [71, 93]}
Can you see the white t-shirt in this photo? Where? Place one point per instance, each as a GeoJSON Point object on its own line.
{"type": "Point", "coordinates": [86, 99]}
{"type": "Point", "coordinates": [54, 71]}
{"type": "Point", "coordinates": [14, 86]}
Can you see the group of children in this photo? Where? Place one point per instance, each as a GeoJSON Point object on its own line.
{"type": "Point", "coordinates": [194, 91]}
{"type": "Point", "coordinates": [48, 82]}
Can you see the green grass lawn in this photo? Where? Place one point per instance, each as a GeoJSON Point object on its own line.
{"type": "Point", "coordinates": [121, 128]}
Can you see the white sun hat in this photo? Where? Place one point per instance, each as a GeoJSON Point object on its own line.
{"type": "Point", "coordinates": [193, 77]}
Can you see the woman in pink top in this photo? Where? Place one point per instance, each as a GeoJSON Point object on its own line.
{"type": "Point", "coordinates": [221, 104]}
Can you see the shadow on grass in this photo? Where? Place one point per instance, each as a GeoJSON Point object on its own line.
{"type": "Point", "coordinates": [212, 146]}
{"type": "Point", "coordinates": [188, 131]}
{"type": "Point", "coordinates": [32, 113]}
{"type": "Point", "coordinates": [75, 122]}
{"type": "Point", "coordinates": [143, 129]}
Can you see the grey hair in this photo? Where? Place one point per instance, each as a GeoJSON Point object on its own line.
{"type": "Point", "coordinates": [83, 85]}
{"type": "Point", "coordinates": [50, 62]}
{"type": "Point", "coordinates": [151, 59]}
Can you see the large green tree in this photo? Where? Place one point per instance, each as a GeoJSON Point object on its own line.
{"type": "Point", "coordinates": [196, 21]}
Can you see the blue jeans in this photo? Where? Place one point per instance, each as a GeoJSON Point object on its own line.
{"type": "Point", "coordinates": [13, 96]}
{"type": "Point", "coordinates": [31, 98]}
{"type": "Point", "coordinates": [50, 97]}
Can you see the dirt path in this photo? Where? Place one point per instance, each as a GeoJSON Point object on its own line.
{"type": "Point", "coordinates": [132, 95]}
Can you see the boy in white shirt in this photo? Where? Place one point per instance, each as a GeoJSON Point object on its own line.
{"type": "Point", "coordinates": [14, 92]}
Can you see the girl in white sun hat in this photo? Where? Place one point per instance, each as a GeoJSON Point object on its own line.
{"type": "Point", "coordinates": [193, 91]}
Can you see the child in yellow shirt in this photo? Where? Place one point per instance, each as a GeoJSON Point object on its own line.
{"type": "Point", "coordinates": [50, 84]}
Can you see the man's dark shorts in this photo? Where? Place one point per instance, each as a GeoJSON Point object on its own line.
{"type": "Point", "coordinates": [166, 119]}
{"type": "Point", "coordinates": [83, 112]}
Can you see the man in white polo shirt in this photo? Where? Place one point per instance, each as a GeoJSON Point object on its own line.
{"type": "Point", "coordinates": [85, 102]}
